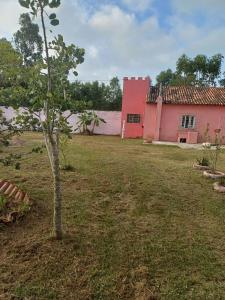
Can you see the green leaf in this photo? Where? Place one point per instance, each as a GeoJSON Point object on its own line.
{"type": "Point", "coordinates": [54, 3]}
{"type": "Point", "coordinates": [25, 3]}
{"type": "Point", "coordinates": [52, 16]}
{"type": "Point", "coordinates": [75, 73]}
{"type": "Point", "coordinates": [55, 22]}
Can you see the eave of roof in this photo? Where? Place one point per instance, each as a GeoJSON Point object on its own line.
{"type": "Point", "coordinates": [189, 95]}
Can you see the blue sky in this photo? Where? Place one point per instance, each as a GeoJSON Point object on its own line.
{"type": "Point", "coordinates": [130, 37]}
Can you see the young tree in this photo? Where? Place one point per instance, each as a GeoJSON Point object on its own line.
{"type": "Point", "coordinates": [49, 94]}
{"type": "Point", "coordinates": [87, 122]}
{"type": "Point", "coordinates": [84, 121]}
{"type": "Point", "coordinates": [96, 120]}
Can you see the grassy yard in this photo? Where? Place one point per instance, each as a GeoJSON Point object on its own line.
{"type": "Point", "coordinates": [140, 223]}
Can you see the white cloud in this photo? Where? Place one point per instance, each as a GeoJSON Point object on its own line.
{"type": "Point", "coordinates": [119, 44]}
{"type": "Point", "coordinates": [9, 17]}
{"type": "Point", "coordinates": [140, 5]}
{"type": "Point", "coordinates": [111, 19]}
{"type": "Point", "coordinates": [205, 6]}
{"type": "Point", "coordinates": [93, 51]}
{"type": "Point", "coordinates": [194, 39]}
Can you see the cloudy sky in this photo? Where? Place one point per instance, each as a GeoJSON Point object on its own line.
{"type": "Point", "coordinates": [133, 37]}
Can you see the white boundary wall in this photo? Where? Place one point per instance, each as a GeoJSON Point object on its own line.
{"type": "Point", "coordinates": [111, 127]}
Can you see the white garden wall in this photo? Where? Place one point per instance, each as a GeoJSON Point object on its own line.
{"type": "Point", "coordinates": [111, 127]}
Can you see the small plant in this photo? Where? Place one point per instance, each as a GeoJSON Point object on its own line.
{"type": "Point", "coordinates": [24, 208]}
{"type": "Point", "coordinates": [68, 167]}
{"type": "Point", "coordinates": [214, 153]}
{"type": "Point", "coordinates": [211, 150]}
{"type": "Point", "coordinates": [10, 160]}
{"type": "Point", "coordinates": [38, 149]}
{"type": "Point", "coordinates": [17, 165]}
{"type": "Point", "coordinates": [204, 161]}
{"type": "Point", "coordinates": [2, 202]}
{"type": "Point", "coordinates": [88, 120]}
{"type": "Point", "coordinates": [63, 147]}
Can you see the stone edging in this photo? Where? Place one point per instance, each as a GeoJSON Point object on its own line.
{"type": "Point", "coordinates": [12, 193]}
{"type": "Point", "coordinates": [218, 187]}
{"type": "Point", "coordinates": [213, 176]}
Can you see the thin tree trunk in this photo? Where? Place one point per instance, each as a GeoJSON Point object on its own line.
{"type": "Point", "coordinates": [52, 145]}
{"type": "Point", "coordinates": [57, 221]}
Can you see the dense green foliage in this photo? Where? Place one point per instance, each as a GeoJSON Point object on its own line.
{"type": "Point", "coordinates": [17, 66]}
{"type": "Point", "coordinates": [87, 122]}
{"type": "Point", "coordinates": [102, 96]}
{"type": "Point", "coordinates": [198, 71]}
{"type": "Point", "coordinates": [28, 41]}
{"type": "Point", "coordinates": [14, 76]}
{"type": "Point", "coordinates": [6, 131]}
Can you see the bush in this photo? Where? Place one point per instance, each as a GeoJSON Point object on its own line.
{"type": "Point", "coordinates": [204, 161]}
{"type": "Point", "coordinates": [68, 167]}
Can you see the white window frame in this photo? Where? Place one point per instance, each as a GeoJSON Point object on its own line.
{"type": "Point", "coordinates": [134, 118]}
{"type": "Point", "coordinates": [188, 121]}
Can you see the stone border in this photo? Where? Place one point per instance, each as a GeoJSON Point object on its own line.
{"type": "Point", "coordinates": [200, 167]}
{"type": "Point", "coordinates": [218, 187]}
{"type": "Point", "coordinates": [213, 176]}
{"type": "Point", "coordinates": [12, 193]}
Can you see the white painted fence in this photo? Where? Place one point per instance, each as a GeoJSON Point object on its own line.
{"type": "Point", "coordinates": [111, 127]}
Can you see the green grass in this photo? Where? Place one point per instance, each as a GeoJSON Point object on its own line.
{"type": "Point", "coordinates": [139, 223]}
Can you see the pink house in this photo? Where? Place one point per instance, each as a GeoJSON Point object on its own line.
{"type": "Point", "coordinates": [174, 114]}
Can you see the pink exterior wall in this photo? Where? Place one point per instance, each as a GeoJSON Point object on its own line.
{"type": "Point", "coordinates": [135, 93]}
{"type": "Point", "coordinates": [150, 121]}
{"type": "Point", "coordinates": [170, 126]}
{"type": "Point", "coordinates": [111, 127]}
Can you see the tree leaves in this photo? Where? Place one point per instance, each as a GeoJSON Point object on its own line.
{"type": "Point", "coordinates": [25, 3]}
{"type": "Point", "coordinates": [52, 16]}
{"type": "Point", "coordinates": [54, 22]}
{"type": "Point", "coordinates": [54, 3]}
{"type": "Point", "coordinates": [28, 40]}
{"type": "Point", "coordinates": [198, 71]}
{"type": "Point", "coordinates": [53, 19]}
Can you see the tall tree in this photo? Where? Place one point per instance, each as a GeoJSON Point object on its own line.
{"type": "Point", "coordinates": [222, 80]}
{"type": "Point", "coordinates": [199, 71]}
{"type": "Point", "coordinates": [102, 96]}
{"type": "Point", "coordinates": [28, 41]}
{"type": "Point", "coordinates": [49, 93]}
{"type": "Point", "coordinates": [166, 77]}
{"type": "Point", "coordinates": [13, 76]}
{"type": "Point", "coordinates": [214, 68]}
{"type": "Point", "coordinates": [10, 64]}
{"type": "Point", "coordinates": [114, 96]}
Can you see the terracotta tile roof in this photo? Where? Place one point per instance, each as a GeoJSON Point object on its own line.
{"type": "Point", "coordinates": [189, 95]}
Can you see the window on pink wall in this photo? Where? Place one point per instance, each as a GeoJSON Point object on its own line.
{"type": "Point", "coordinates": [133, 118]}
{"type": "Point", "coordinates": [188, 121]}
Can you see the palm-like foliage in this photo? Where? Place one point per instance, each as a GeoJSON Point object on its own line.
{"type": "Point", "coordinates": [87, 119]}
